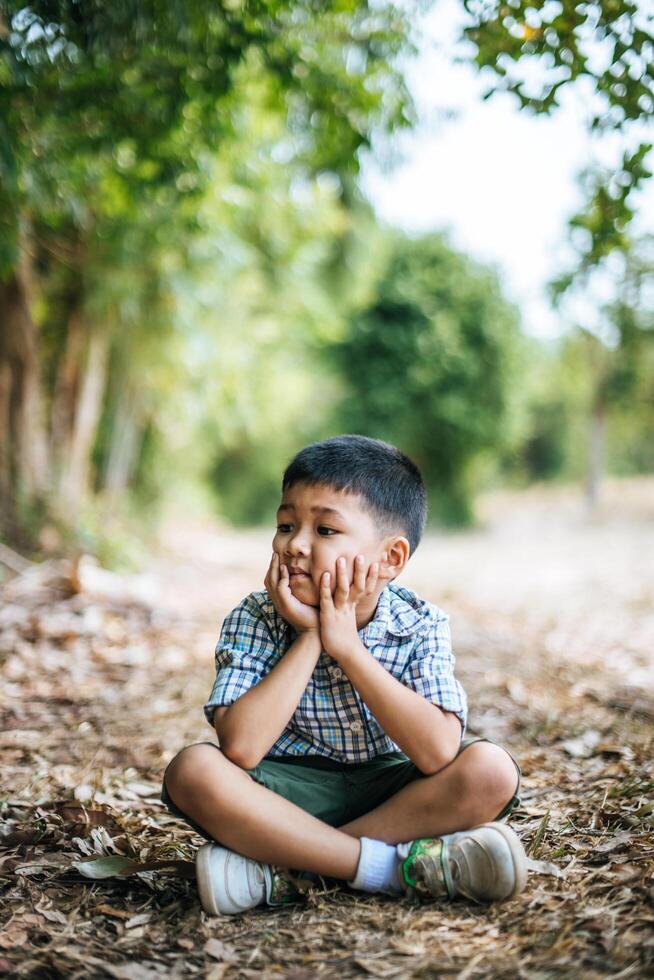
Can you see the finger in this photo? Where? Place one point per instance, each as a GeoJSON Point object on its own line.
{"type": "Point", "coordinates": [326, 600]}
{"type": "Point", "coordinates": [284, 583]}
{"type": "Point", "coordinates": [274, 569]}
{"type": "Point", "coordinates": [359, 581]}
{"type": "Point", "coordinates": [371, 578]}
{"type": "Point", "coordinates": [342, 581]}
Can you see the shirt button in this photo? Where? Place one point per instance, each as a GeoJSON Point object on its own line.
{"type": "Point", "coordinates": [355, 726]}
{"type": "Point", "coordinates": [336, 673]}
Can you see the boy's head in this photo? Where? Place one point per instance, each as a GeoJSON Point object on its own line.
{"type": "Point", "coordinates": [348, 495]}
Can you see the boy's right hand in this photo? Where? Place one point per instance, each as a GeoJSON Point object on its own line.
{"type": "Point", "coordinates": [303, 618]}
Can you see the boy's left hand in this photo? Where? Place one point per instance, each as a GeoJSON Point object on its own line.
{"type": "Point", "coordinates": [338, 619]}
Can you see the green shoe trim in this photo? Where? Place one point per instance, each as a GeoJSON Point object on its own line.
{"type": "Point", "coordinates": [423, 870]}
{"type": "Point", "coordinates": [285, 889]}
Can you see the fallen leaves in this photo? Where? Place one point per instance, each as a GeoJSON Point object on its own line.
{"type": "Point", "coordinates": [99, 689]}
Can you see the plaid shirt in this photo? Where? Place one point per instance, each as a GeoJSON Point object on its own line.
{"type": "Point", "coordinates": [408, 636]}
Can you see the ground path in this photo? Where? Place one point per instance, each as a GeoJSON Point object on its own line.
{"type": "Point", "coordinates": [553, 621]}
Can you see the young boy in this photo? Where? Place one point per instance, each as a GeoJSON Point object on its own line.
{"type": "Point", "coordinates": [339, 718]}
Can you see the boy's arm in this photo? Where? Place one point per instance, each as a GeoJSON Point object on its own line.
{"type": "Point", "coordinates": [249, 727]}
{"type": "Point", "coordinates": [426, 733]}
{"type": "Point", "coordinates": [429, 735]}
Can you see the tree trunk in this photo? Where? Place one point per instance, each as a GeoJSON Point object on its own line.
{"type": "Point", "coordinates": [5, 424]}
{"type": "Point", "coordinates": [23, 452]}
{"type": "Point", "coordinates": [65, 394]}
{"type": "Point", "coordinates": [595, 463]}
{"type": "Point", "coordinates": [124, 445]}
{"type": "Point", "coordinates": [75, 474]}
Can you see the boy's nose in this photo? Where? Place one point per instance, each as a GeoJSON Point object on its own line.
{"type": "Point", "coordinates": [297, 546]}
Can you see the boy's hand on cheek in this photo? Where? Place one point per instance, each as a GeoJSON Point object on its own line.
{"type": "Point", "coordinates": [338, 620]}
{"type": "Point", "coordinates": [303, 618]}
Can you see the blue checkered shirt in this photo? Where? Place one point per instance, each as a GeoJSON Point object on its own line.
{"type": "Point", "coordinates": [409, 636]}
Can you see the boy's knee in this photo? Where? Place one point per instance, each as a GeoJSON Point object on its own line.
{"type": "Point", "coordinates": [188, 770]}
{"type": "Point", "coordinates": [489, 773]}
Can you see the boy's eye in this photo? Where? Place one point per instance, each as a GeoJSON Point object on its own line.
{"type": "Point", "coordinates": [326, 531]}
{"type": "Point", "coordinates": [283, 528]}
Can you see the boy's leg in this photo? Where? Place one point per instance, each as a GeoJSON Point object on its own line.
{"type": "Point", "coordinates": [252, 820]}
{"type": "Point", "coordinates": [471, 790]}
{"type": "Point", "coordinates": [262, 828]}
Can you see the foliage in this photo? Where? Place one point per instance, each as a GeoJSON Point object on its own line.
{"type": "Point", "coordinates": [603, 47]}
{"type": "Point", "coordinates": [604, 50]}
{"type": "Point", "coordinates": [250, 310]}
{"type": "Point", "coordinates": [116, 124]}
{"type": "Point", "coordinates": [107, 106]}
{"type": "Point", "coordinates": [429, 363]}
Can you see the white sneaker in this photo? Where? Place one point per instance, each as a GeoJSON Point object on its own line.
{"type": "Point", "coordinates": [485, 864]}
{"type": "Point", "coordinates": [230, 883]}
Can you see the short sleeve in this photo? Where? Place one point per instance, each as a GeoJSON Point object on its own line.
{"type": "Point", "coordinates": [245, 653]}
{"type": "Point", "coordinates": [430, 671]}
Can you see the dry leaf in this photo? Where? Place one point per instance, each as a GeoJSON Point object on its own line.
{"type": "Point", "coordinates": [138, 920]}
{"type": "Point", "coordinates": [614, 843]}
{"type": "Point", "coordinates": [135, 971]}
{"type": "Point", "coordinates": [53, 915]}
{"type": "Point", "coordinates": [220, 950]}
{"type": "Point", "coordinates": [111, 911]}
{"type": "Point", "coordinates": [9, 940]}
{"type": "Point", "coordinates": [545, 868]}
{"type": "Point", "coordinates": [216, 971]}
{"type": "Point", "coordinates": [583, 746]}
{"type": "Point", "coordinates": [624, 874]}
{"type": "Point", "coordinates": [113, 865]}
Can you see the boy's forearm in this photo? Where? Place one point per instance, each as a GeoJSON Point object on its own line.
{"type": "Point", "coordinates": [427, 734]}
{"type": "Point", "coordinates": [251, 725]}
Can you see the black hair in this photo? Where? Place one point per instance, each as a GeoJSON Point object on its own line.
{"type": "Point", "coordinates": [389, 483]}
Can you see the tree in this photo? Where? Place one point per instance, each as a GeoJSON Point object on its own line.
{"type": "Point", "coordinates": [605, 49]}
{"type": "Point", "coordinates": [621, 362]}
{"type": "Point", "coordinates": [536, 51]}
{"type": "Point", "coordinates": [110, 116]}
{"type": "Point", "coordinates": [428, 363]}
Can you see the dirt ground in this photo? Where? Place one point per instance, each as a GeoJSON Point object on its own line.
{"type": "Point", "coordinates": [103, 681]}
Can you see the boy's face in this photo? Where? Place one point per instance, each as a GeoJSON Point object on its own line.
{"type": "Point", "coordinates": [315, 526]}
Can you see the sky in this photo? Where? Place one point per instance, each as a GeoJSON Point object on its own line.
{"type": "Point", "coordinates": [500, 181]}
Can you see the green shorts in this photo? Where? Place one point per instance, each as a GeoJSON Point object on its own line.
{"type": "Point", "coordinates": [337, 792]}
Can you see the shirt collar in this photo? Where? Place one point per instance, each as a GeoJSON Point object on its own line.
{"type": "Point", "coordinates": [397, 613]}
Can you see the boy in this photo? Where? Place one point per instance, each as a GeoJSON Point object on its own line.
{"type": "Point", "coordinates": [339, 718]}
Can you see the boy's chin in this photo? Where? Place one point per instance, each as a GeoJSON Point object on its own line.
{"type": "Point", "coordinates": [306, 592]}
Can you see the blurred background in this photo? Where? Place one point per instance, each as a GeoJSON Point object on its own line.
{"type": "Point", "coordinates": [227, 230]}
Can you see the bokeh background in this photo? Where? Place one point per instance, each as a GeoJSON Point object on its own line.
{"type": "Point", "coordinates": [228, 230]}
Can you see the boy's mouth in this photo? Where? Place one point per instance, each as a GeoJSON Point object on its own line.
{"type": "Point", "coordinates": [297, 573]}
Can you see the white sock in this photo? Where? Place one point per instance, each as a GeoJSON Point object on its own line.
{"type": "Point", "coordinates": [378, 868]}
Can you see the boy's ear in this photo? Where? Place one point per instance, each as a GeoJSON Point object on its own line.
{"type": "Point", "coordinates": [395, 555]}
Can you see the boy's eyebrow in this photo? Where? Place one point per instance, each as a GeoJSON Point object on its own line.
{"type": "Point", "coordinates": [314, 510]}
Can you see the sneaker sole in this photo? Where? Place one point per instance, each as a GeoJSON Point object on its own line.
{"type": "Point", "coordinates": [203, 876]}
{"type": "Point", "coordinates": [518, 857]}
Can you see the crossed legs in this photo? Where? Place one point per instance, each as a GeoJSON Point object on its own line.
{"type": "Point", "coordinates": [246, 817]}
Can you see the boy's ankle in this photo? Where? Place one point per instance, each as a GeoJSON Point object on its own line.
{"type": "Point", "coordinates": [378, 868]}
